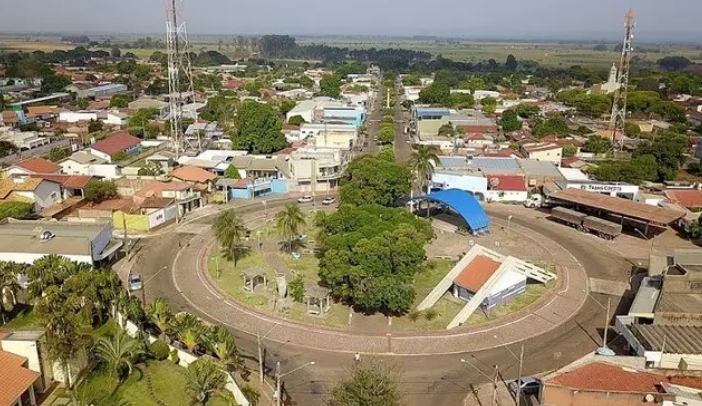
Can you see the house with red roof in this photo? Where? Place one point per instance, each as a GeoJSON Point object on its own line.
{"type": "Point", "coordinates": [196, 176]}
{"type": "Point", "coordinates": [116, 144]}
{"type": "Point", "coordinates": [610, 381]}
{"type": "Point", "coordinates": [690, 199]}
{"type": "Point", "coordinates": [21, 379]}
{"type": "Point", "coordinates": [31, 166]}
{"type": "Point", "coordinates": [507, 188]}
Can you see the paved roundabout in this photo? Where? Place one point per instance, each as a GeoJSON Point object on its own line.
{"type": "Point", "coordinates": [561, 326]}
{"type": "Point", "coordinates": [551, 310]}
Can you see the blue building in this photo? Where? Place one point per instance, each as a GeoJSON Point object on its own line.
{"type": "Point", "coordinates": [347, 115]}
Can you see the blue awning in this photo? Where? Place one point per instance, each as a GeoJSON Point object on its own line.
{"type": "Point", "coordinates": [463, 203]}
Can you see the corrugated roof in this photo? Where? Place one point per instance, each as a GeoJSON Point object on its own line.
{"type": "Point", "coordinates": [485, 163]}
{"type": "Point", "coordinates": [617, 205]}
{"type": "Point", "coordinates": [476, 273]}
{"type": "Point", "coordinates": [677, 339]}
{"type": "Point", "coordinates": [465, 204]}
{"type": "Point", "coordinates": [15, 379]}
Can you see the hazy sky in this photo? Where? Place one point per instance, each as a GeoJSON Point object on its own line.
{"type": "Point", "coordinates": [568, 19]}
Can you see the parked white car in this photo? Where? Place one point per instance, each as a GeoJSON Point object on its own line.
{"type": "Point", "coordinates": [305, 199]}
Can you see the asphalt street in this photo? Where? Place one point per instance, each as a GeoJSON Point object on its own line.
{"type": "Point", "coordinates": [425, 380]}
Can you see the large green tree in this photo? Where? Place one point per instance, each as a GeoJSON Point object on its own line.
{"type": "Point", "coordinates": [231, 231]}
{"type": "Point", "coordinates": [16, 210]}
{"type": "Point", "coordinates": [371, 179]}
{"type": "Point", "coordinates": [437, 93]}
{"type": "Point", "coordinates": [98, 190]}
{"type": "Point", "coordinates": [510, 122]}
{"type": "Point", "coordinates": [330, 86]}
{"type": "Point", "coordinates": [367, 385]}
{"type": "Point", "coordinates": [258, 129]}
{"type": "Point", "coordinates": [370, 255]}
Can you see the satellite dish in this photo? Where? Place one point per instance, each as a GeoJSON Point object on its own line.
{"type": "Point", "coordinates": [471, 243]}
{"type": "Point", "coordinates": [494, 182]}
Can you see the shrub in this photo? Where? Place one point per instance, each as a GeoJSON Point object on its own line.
{"type": "Point", "coordinates": [174, 357]}
{"type": "Point", "coordinates": [414, 315]}
{"type": "Point", "coordinates": [160, 350]}
{"type": "Point", "coordinates": [297, 289]}
{"type": "Point", "coordinates": [430, 314]}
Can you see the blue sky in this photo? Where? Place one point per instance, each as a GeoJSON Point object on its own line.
{"type": "Point", "coordinates": [567, 19]}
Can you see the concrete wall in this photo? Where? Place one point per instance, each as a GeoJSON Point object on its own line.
{"type": "Point", "coordinates": [507, 196]}
{"type": "Point", "coordinates": [136, 222]}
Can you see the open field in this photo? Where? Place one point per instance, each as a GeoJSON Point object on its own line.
{"type": "Point", "coordinates": [545, 53]}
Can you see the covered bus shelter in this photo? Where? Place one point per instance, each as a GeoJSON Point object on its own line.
{"type": "Point", "coordinates": [627, 212]}
{"type": "Point", "coordinates": [463, 203]}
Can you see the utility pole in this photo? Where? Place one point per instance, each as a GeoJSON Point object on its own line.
{"type": "Point", "coordinates": [278, 390]}
{"type": "Point", "coordinates": [519, 377]}
{"type": "Point", "coordinates": [314, 180]}
{"type": "Point", "coordinates": [126, 240]}
{"type": "Point", "coordinates": [260, 357]}
{"type": "Point", "coordinates": [494, 386]}
{"type": "Point", "coordinates": [606, 326]}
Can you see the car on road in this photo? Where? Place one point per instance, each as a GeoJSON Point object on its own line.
{"type": "Point", "coordinates": [328, 201]}
{"type": "Point", "coordinates": [305, 199]}
{"type": "Point", "coordinates": [529, 386]}
{"type": "Point", "coordinates": [134, 282]}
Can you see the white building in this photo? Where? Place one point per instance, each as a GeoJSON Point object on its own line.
{"type": "Point", "coordinates": [68, 116]}
{"type": "Point", "coordinates": [316, 169]}
{"type": "Point", "coordinates": [25, 241]}
{"type": "Point", "coordinates": [474, 182]}
{"type": "Point", "coordinates": [325, 135]}
{"type": "Point", "coordinates": [481, 94]}
{"type": "Point", "coordinates": [543, 151]}
{"type": "Point", "coordinates": [412, 93]}
{"type": "Point", "coordinates": [115, 118]}
{"type": "Point", "coordinates": [613, 189]}
{"type": "Point", "coordinates": [24, 140]}
{"type": "Point", "coordinates": [611, 85]}
{"type": "Point", "coordinates": [85, 163]}
{"type": "Point", "coordinates": [312, 110]}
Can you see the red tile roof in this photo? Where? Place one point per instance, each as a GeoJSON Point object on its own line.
{"type": "Point", "coordinates": [599, 376]}
{"type": "Point", "coordinates": [192, 174]}
{"type": "Point", "coordinates": [15, 379]}
{"type": "Point", "coordinates": [690, 199]}
{"type": "Point", "coordinates": [155, 188]}
{"type": "Point", "coordinates": [119, 141]}
{"type": "Point", "coordinates": [38, 165]}
{"type": "Point", "coordinates": [476, 273]}
{"type": "Point", "coordinates": [507, 182]}
{"type": "Point", "coordinates": [67, 181]}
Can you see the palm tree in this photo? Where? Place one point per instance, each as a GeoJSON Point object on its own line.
{"type": "Point", "coordinates": [230, 231]}
{"type": "Point", "coordinates": [220, 342]}
{"type": "Point", "coordinates": [8, 287]}
{"type": "Point", "coordinates": [422, 162]}
{"type": "Point", "coordinates": [159, 312]}
{"type": "Point", "coordinates": [189, 330]}
{"type": "Point", "coordinates": [289, 221]}
{"type": "Point", "coordinates": [118, 352]}
{"type": "Point", "coordinates": [50, 270]}
{"type": "Point", "coordinates": [92, 293]}
{"type": "Point", "coordinates": [204, 379]}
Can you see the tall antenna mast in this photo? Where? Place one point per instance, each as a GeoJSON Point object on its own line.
{"type": "Point", "coordinates": [618, 118]}
{"type": "Point", "coordinates": [179, 77]}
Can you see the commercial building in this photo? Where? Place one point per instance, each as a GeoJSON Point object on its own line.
{"type": "Point", "coordinates": [102, 91]}
{"type": "Point", "coordinates": [24, 241]}
{"type": "Point", "coordinates": [327, 135]}
{"type": "Point", "coordinates": [353, 115]}
{"type": "Point", "coordinates": [614, 189]}
{"type": "Point", "coordinates": [316, 169]}
{"type": "Point", "coordinates": [313, 110]}
{"type": "Point", "coordinates": [24, 140]}
{"type": "Point", "coordinates": [543, 151]}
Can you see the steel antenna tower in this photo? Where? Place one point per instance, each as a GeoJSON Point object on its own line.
{"type": "Point", "coordinates": [618, 118]}
{"type": "Point", "coordinates": [179, 77]}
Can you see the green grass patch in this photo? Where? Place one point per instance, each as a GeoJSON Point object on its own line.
{"type": "Point", "coordinates": [22, 317]}
{"type": "Point", "coordinates": [168, 379]}
{"type": "Point", "coordinates": [533, 292]}
{"type": "Point", "coordinates": [231, 279]}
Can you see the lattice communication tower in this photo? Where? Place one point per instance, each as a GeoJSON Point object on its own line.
{"type": "Point", "coordinates": [618, 118]}
{"type": "Point", "coordinates": [180, 83]}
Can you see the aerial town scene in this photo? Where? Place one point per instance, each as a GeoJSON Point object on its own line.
{"type": "Point", "coordinates": [324, 204]}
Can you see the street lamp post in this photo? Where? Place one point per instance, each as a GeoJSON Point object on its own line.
{"type": "Point", "coordinates": [265, 208]}
{"type": "Point", "coordinates": [509, 222]}
{"type": "Point", "coordinates": [521, 363]}
{"type": "Point", "coordinates": [279, 378]}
